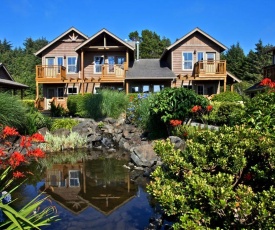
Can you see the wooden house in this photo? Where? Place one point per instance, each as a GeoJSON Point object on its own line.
{"type": "Point", "coordinates": [7, 83]}
{"type": "Point", "coordinates": [196, 61]}
{"type": "Point", "coordinates": [74, 64]}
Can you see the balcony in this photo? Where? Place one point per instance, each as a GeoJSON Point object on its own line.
{"type": "Point", "coordinates": [50, 73]}
{"type": "Point", "coordinates": [210, 68]}
{"type": "Point", "coordinates": [269, 72]}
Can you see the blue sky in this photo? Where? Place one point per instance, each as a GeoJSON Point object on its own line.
{"type": "Point", "coordinates": [228, 21]}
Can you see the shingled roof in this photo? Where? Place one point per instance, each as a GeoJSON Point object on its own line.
{"type": "Point", "coordinates": [149, 69]}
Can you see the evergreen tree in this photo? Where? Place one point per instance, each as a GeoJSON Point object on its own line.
{"type": "Point", "coordinates": [235, 59]}
{"type": "Point", "coordinates": [151, 45]}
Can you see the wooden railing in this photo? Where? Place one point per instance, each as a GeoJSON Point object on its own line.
{"type": "Point", "coordinates": [269, 72]}
{"type": "Point", "coordinates": [111, 70]}
{"type": "Point", "coordinates": [44, 103]}
{"type": "Point", "coordinates": [51, 71]}
{"type": "Point", "coordinates": [210, 67]}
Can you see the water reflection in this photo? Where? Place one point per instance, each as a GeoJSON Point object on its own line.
{"type": "Point", "coordinates": [103, 184]}
{"type": "Point", "coordinates": [89, 192]}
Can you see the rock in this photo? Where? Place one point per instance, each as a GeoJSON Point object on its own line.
{"type": "Point", "coordinates": [178, 142]}
{"type": "Point", "coordinates": [144, 155]}
{"type": "Point", "coordinates": [61, 132]}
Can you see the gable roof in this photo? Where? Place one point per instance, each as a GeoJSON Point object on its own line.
{"type": "Point", "coordinates": [9, 82]}
{"type": "Point", "coordinates": [189, 34]}
{"type": "Point", "coordinates": [234, 78]}
{"type": "Point", "coordinates": [149, 69]}
{"type": "Point", "coordinates": [58, 38]}
{"type": "Point", "coordinates": [110, 34]}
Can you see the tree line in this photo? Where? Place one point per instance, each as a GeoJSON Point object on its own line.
{"type": "Point", "coordinates": [21, 61]}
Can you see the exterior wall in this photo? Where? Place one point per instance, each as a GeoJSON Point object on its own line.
{"type": "Point", "coordinates": [145, 86]}
{"type": "Point", "coordinates": [194, 44]}
{"type": "Point", "coordinates": [89, 62]}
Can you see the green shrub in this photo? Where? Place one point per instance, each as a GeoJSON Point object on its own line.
{"type": "Point", "coordinates": [259, 112]}
{"type": "Point", "coordinates": [108, 103]}
{"type": "Point", "coordinates": [225, 113]}
{"type": "Point", "coordinates": [176, 103]}
{"type": "Point", "coordinates": [222, 180]}
{"type": "Point", "coordinates": [12, 112]}
{"type": "Point", "coordinates": [66, 123]}
{"type": "Point", "coordinates": [227, 96]}
{"type": "Point", "coordinates": [35, 120]}
{"type": "Point", "coordinates": [29, 104]}
{"type": "Point", "coordinates": [58, 110]}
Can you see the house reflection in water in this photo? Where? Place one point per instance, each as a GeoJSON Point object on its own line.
{"type": "Point", "coordinates": [102, 184]}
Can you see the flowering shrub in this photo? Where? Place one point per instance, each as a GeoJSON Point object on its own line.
{"type": "Point", "coordinates": [268, 82]}
{"type": "Point", "coordinates": [224, 179]}
{"type": "Point", "coordinates": [11, 157]}
{"type": "Point", "coordinates": [175, 123]}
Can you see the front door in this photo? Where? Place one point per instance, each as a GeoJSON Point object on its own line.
{"type": "Point", "coordinates": [111, 61]}
{"type": "Point", "coordinates": [50, 95]}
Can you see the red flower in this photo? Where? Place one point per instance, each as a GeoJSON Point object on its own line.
{"type": "Point", "coordinates": [37, 153]}
{"type": "Point", "coordinates": [8, 131]}
{"type": "Point", "coordinates": [16, 159]}
{"type": "Point", "coordinates": [265, 81]}
{"type": "Point", "coordinates": [209, 108]}
{"type": "Point", "coordinates": [18, 174]}
{"type": "Point", "coordinates": [37, 137]}
{"type": "Point", "coordinates": [26, 142]}
{"type": "Point", "coordinates": [196, 108]}
{"type": "Point", "coordinates": [175, 122]}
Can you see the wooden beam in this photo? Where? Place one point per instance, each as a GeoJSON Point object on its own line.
{"type": "Point", "coordinates": [82, 70]}
{"type": "Point", "coordinates": [224, 85]}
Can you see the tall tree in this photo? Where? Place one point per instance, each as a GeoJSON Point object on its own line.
{"type": "Point", "coordinates": [151, 45]}
{"type": "Point", "coordinates": [255, 61]}
{"type": "Point", "coordinates": [235, 59]}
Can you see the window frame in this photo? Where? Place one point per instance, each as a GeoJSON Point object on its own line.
{"type": "Point", "coordinates": [72, 87]}
{"type": "Point", "coordinates": [187, 61]}
{"type": "Point", "coordinates": [69, 65]}
{"type": "Point", "coordinates": [74, 178]}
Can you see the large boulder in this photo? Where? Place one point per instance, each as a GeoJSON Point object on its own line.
{"type": "Point", "coordinates": [144, 155]}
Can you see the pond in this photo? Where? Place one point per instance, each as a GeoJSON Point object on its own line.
{"type": "Point", "coordinates": [90, 192]}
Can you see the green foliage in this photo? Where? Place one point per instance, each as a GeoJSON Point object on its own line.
{"type": "Point", "coordinates": [222, 180]}
{"type": "Point", "coordinates": [58, 110]}
{"type": "Point", "coordinates": [176, 103]}
{"type": "Point", "coordinates": [109, 103]}
{"type": "Point", "coordinates": [227, 96]}
{"type": "Point", "coordinates": [66, 123]}
{"type": "Point", "coordinates": [58, 143]}
{"type": "Point", "coordinates": [12, 111]}
{"type": "Point", "coordinates": [259, 112]}
{"type": "Point", "coordinates": [151, 45]}
{"type": "Point", "coordinates": [29, 104]}
{"type": "Point", "coordinates": [226, 113]}
{"type": "Point", "coordinates": [35, 120]}
{"type": "Point", "coordinates": [28, 217]}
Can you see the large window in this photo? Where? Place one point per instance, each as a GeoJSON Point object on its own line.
{"type": "Point", "coordinates": [187, 63]}
{"type": "Point", "coordinates": [72, 64]}
{"type": "Point", "coordinates": [74, 178]}
{"type": "Point", "coordinates": [99, 61]}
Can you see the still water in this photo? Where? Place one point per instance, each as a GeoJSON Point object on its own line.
{"type": "Point", "coordinates": [89, 192]}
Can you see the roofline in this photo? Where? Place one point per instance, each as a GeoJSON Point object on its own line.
{"type": "Point", "coordinates": [59, 37]}
{"type": "Point", "coordinates": [2, 65]}
{"type": "Point", "coordinates": [233, 77]}
{"type": "Point", "coordinates": [197, 29]}
{"type": "Point", "coordinates": [108, 32]}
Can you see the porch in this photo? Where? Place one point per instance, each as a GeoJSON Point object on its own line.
{"type": "Point", "coordinates": [210, 68]}
{"type": "Point", "coordinates": [44, 103]}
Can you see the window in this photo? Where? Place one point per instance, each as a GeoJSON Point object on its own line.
{"type": "Point", "coordinates": [187, 86]}
{"type": "Point", "coordinates": [187, 60]}
{"type": "Point", "coordinates": [111, 61]}
{"type": "Point", "coordinates": [200, 90]}
{"type": "Point", "coordinates": [120, 60]}
{"type": "Point", "coordinates": [74, 178]}
{"type": "Point", "coordinates": [71, 66]}
{"type": "Point", "coordinates": [200, 56]}
{"type": "Point", "coordinates": [211, 56]}
{"type": "Point", "coordinates": [72, 90]}
{"type": "Point", "coordinates": [60, 92]}
{"type": "Point", "coordinates": [99, 61]}
{"type": "Point", "coordinates": [158, 88]}
{"type": "Point", "coordinates": [59, 63]}
{"type": "Point", "coordinates": [145, 88]}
